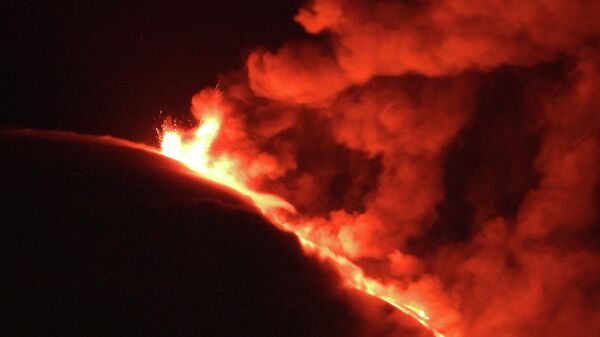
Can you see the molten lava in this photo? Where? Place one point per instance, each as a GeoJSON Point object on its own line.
{"type": "Point", "coordinates": [193, 148]}
{"type": "Point", "coordinates": [222, 169]}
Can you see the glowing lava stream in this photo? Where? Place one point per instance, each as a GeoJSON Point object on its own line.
{"type": "Point", "coordinates": [194, 152]}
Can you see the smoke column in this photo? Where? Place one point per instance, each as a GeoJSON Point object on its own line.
{"type": "Point", "coordinates": [451, 148]}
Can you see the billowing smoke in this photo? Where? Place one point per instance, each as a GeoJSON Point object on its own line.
{"type": "Point", "coordinates": [451, 148]}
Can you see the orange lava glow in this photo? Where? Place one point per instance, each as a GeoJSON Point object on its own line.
{"type": "Point", "coordinates": [193, 148]}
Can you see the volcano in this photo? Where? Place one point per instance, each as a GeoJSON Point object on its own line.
{"type": "Point", "coordinates": [103, 237]}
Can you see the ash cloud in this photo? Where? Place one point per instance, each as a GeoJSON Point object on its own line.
{"type": "Point", "coordinates": [470, 132]}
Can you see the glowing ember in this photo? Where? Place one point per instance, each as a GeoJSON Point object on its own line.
{"type": "Point", "coordinates": [193, 148]}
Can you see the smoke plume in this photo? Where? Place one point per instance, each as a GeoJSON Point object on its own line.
{"type": "Point", "coordinates": [451, 148]}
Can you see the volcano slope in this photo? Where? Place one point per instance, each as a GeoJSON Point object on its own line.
{"type": "Point", "coordinates": [102, 237]}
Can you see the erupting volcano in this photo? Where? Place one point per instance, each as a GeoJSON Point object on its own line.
{"type": "Point", "coordinates": [384, 168]}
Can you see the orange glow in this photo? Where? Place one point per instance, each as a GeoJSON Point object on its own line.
{"type": "Point", "coordinates": [193, 148]}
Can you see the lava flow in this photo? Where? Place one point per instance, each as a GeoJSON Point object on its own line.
{"type": "Point", "coordinates": [193, 148]}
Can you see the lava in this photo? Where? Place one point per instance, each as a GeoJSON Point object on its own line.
{"type": "Point", "coordinates": [223, 169]}
{"type": "Point", "coordinates": [193, 148]}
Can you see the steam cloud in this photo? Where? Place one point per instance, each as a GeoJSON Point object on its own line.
{"type": "Point", "coordinates": [449, 147]}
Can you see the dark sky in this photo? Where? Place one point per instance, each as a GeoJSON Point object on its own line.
{"type": "Point", "coordinates": [110, 67]}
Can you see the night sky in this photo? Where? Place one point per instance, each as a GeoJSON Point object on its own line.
{"type": "Point", "coordinates": [111, 67]}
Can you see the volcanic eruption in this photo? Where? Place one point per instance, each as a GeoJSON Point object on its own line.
{"type": "Point", "coordinates": [435, 166]}
{"type": "Point", "coordinates": [470, 138]}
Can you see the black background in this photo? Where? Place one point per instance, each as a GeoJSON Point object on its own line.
{"type": "Point", "coordinates": [112, 67]}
